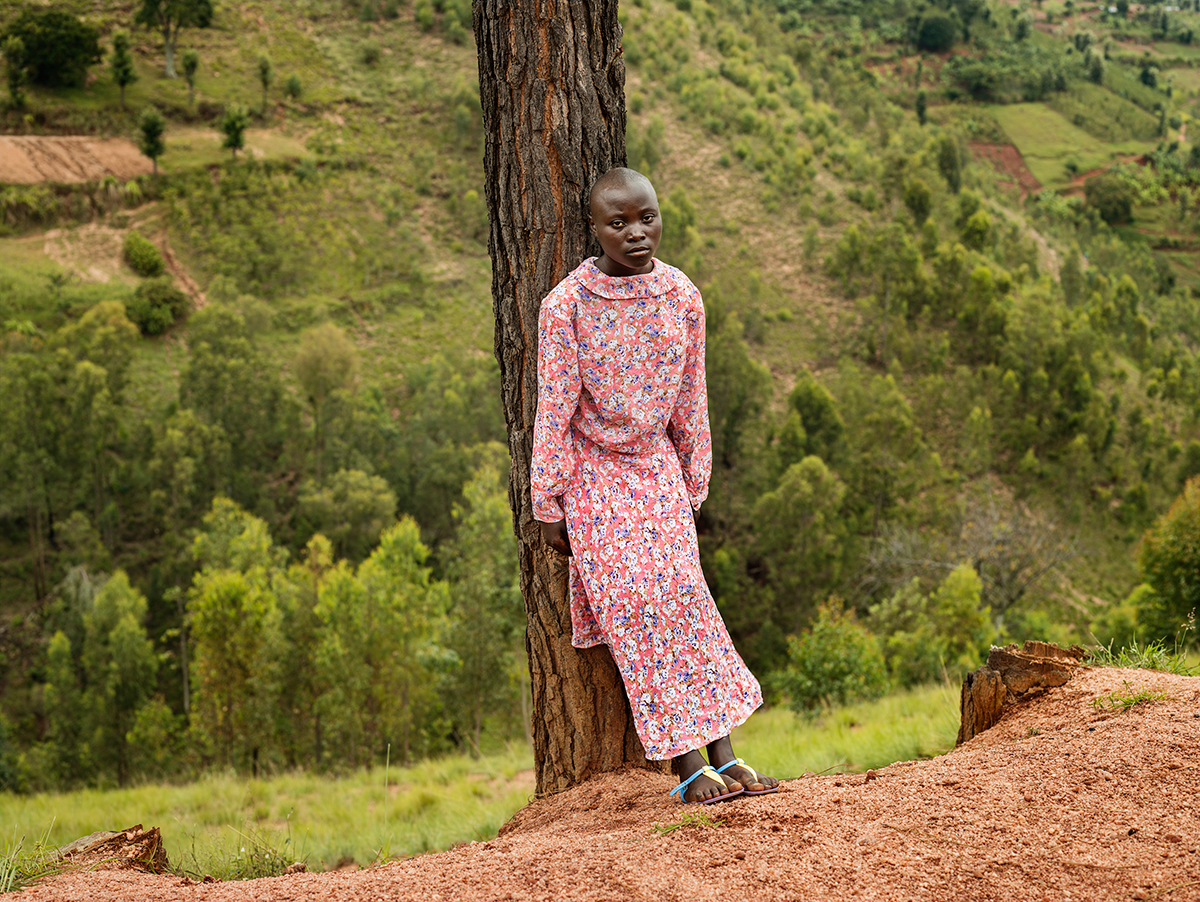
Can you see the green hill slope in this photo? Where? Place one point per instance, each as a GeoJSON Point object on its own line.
{"type": "Point", "coordinates": [910, 367]}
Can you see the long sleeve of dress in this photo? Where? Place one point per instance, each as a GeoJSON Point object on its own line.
{"type": "Point", "coordinates": [688, 428]}
{"type": "Point", "coordinates": [559, 387]}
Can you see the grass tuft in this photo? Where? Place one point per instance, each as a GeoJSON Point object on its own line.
{"type": "Point", "coordinates": [1128, 698]}
{"type": "Point", "coordinates": [20, 866]}
{"type": "Point", "coordinates": [1151, 656]}
{"type": "Point", "coordinates": [697, 819]}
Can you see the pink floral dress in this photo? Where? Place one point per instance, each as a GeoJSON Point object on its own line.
{"type": "Point", "coordinates": [622, 450]}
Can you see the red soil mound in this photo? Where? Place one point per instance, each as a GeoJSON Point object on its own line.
{"type": "Point", "coordinates": [1059, 801]}
{"type": "Point", "coordinates": [32, 160]}
{"type": "Point", "coordinates": [1007, 159]}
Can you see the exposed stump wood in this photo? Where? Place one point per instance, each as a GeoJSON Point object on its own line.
{"type": "Point", "coordinates": [134, 848]}
{"type": "Point", "coordinates": [1009, 674]}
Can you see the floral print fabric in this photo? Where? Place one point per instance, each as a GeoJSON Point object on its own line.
{"type": "Point", "coordinates": [622, 450]}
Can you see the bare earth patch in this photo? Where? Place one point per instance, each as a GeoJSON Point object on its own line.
{"type": "Point", "coordinates": [1008, 160]}
{"type": "Point", "coordinates": [33, 160]}
{"type": "Point", "coordinates": [1065, 798]}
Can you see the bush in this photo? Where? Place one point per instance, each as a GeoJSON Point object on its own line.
{"type": "Point", "coordinates": [292, 87]}
{"type": "Point", "coordinates": [937, 33]}
{"type": "Point", "coordinates": [947, 632]}
{"type": "Point", "coordinates": [58, 46]}
{"type": "Point", "coordinates": [1111, 197]}
{"type": "Point", "coordinates": [369, 53]}
{"type": "Point", "coordinates": [835, 661]}
{"type": "Point", "coordinates": [976, 230]}
{"type": "Point", "coordinates": [919, 200]}
{"type": "Point", "coordinates": [1169, 559]}
{"type": "Point", "coordinates": [142, 256]}
{"type": "Point", "coordinates": [156, 305]}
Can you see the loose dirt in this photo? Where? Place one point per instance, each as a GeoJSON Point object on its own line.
{"type": "Point", "coordinates": [1007, 159]}
{"type": "Point", "coordinates": [33, 160]}
{"type": "Point", "coordinates": [1060, 800]}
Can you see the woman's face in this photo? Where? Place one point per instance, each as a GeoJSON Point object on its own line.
{"type": "Point", "coordinates": [626, 221]}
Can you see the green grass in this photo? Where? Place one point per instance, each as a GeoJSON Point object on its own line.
{"type": "Point", "coordinates": [917, 723]}
{"type": "Point", "coordinates": [191, 147]}
{"type": "Point", "coordinates": [232, 827]}
{"type": "Point", "coordinates": [22, 862]}
{"type": "Point", "coordinates": [214, 825]}
{"type": "Point", "coordinates": [1048, 140]}
{"type": "Point", "coordinates": [1128, 698]}
{"type": "Point", "coordinates": [1151, 656]}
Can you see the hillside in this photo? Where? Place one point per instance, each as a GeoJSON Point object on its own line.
{"type": "Point", "coordinates": [947, 394]}
{"type": "Point", "coordinates": [1059, 799]}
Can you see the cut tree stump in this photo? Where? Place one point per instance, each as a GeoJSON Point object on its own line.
{"type": "Point", "coordinates": [133, 848]}
{"type": "Point", "coordinates": [1009, 674]}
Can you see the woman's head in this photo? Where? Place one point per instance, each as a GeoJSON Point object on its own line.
{"type": "Point", "coordinates": [625, 219]}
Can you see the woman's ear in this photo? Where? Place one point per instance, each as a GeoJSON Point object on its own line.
{"type": "Point", "coordinates": [592, 226]}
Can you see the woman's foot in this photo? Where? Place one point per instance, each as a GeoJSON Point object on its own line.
{"type": "Point", "coordinates": [704, 788]}
{"type": "Point", "coordinates": [720, 753]}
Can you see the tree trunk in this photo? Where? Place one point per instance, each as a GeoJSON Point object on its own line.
{"type": "Point", "coordinates": [551, 84]}
{"type": "Point", "coordinates": [169, 48]}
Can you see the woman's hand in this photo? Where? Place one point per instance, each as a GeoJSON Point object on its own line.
{"type": "Point", "coordinates": [555, 535]}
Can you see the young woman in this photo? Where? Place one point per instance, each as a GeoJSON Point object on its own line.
{"type": "Point", "coordinates": [621, 460]}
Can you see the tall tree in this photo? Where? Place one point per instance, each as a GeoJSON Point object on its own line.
{"type": "Point", "coordinates": [266, 75]}
{"type": "Point", "coordinates": [191, 65]}
{"type": "Point", "coordinates": [12, 48]}
{"type": "Point", "coordinates": [169, 16]}
{"type": "Point", "coordinates": [151, 126]}
{"type": "Point", "coordinates": [552, 87]}
{"type": "Point", "coordinates": [121, 63]}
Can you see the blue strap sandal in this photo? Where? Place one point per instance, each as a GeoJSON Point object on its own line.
{"type": "Point", "coordinates": [750, 792]}
{"type": "Point", "coordinates": [705, 771]}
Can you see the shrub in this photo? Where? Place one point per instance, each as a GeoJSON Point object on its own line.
{"type": "Point", "coordinates": [142, 256]}
{"type": "Point", "coordinates": [947, 632]}
{"type": "Point", "coordinates": [918, 199]}
{"type": "Point", "coordinates": [937, 33]}
{"type": "Point", "coordinates": [976, 230]}
{"type": "Point", "coordinates": [424, 16]}
{"type": "Point", "coordinates": [950, 162]}
{"type": "Point", "coordinates": [1169, 559]}
{"type": "Point", "coordinates": [1111, 197]}
{"type": "Point", "coordinates": [156, 305]}
{"type": "Point", "coordinates": [835, 661]}
{"type": "Point", "coordinates": [233, 125]}
{"type": "Point", "coordinates": [292, 87]}
{"type": "Point", "coordinates": [369, 53]}
{"type": "Point", "coordinates": [58, 46]}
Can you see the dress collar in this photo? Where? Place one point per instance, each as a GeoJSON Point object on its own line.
{"type": "Point", "coordinates": [618, 288]}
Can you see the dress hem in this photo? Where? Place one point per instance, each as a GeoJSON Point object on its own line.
{"type": "Point", "coordinates": [736, 722]}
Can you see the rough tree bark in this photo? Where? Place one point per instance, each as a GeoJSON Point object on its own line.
{"type": "Point", "coordinates": [1009, 675]}
{"type": "Point", "coordinates": [551, 84]}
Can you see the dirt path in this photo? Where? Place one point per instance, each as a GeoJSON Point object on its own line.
{"type": "Point", "coordinates": [32, 160]}
{"type": "Point", "coordinates": [1059, 801]}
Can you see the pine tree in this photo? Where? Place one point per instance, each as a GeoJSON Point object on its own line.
{"type": "Point", "coordinates": [151, 125]}
{"type": "Point", "coordinates": [121, 63]}
{"type": "Point", "coordinates": [266, 75]}
{"type": "Point", "coordinates": [191, 63]}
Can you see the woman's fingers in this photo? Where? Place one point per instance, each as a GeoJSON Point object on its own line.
{"type": "Point", "coordinates": [555, 535]}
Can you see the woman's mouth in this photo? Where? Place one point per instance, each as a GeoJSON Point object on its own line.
{"type": "Point", "coordinates": [638, 252]}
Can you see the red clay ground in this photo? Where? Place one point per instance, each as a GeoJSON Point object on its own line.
{"type": "Point", "coordinates": [1008, 160]}
{"type": "Point", "coordinates": [32, 160]}
{"type": "Point", "coordinates": [1059, 801]}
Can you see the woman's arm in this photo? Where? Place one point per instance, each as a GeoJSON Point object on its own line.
{"type": "Point", "coordinates": [688, 428]}
{"type": "Point", "coordinates": [553, 463]}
